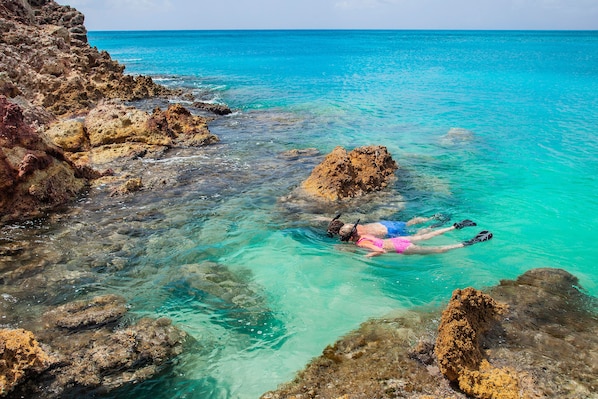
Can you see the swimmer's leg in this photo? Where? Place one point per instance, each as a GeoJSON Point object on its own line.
{"type": "Point", "coordinates": [419, 220]}
{"type": "Point", "coordinates": [428, 235]}
{"type": "Point", "coordinates": [421, 250]}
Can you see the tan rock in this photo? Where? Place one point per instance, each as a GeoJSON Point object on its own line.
{"type": "Point", "coordinates": [111, 122]}
{"type": "Point", "coordinates": [70, 135]}
{"type": "Point", "coordinates": [20, 354]}
{"type": "Point", "coordinates": [469, 315]}
{"type": "Point", "coordinates": [351, 174]}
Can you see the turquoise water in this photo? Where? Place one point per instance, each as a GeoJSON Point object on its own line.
{"type": "Point", "coordinates": [497, 127]}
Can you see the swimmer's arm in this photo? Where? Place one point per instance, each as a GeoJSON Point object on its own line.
{"type": "Point", "coordinates": [375, 250]}
{"type": "Point", "coordinates": [374, 253]}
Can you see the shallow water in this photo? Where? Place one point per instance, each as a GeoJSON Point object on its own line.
{"type": "Point", "coordinates": [497, 127]}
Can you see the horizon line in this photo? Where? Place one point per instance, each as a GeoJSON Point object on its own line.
{"type": "Point", "coordinates": [345, 30]}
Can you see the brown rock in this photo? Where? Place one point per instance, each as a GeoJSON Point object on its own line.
{"type": "Point", "coordinates": [45, 58]}
{"type": "Point", "coordinates": [130, 186]}
{"type": "Point", "coordinates": [84, 314]}
{"type": "Point", "coordinates": [345, 175]}
{"type": "Point", "coordinates": [218, 109]}
{"type": "Point", "coordinates": [34, 177]}
{"type": "Point", "coordinates": [111, 122]}
{"type": "Point", "coordinates": [469, 315]}
{"type": "Point", "coordinates": [187, 129]}
{"type": "Point", "coordinates": [20, 355]}
{"type": "Point", "coordinates": [545, 346]}
{"type": "Point", "coordinates": [95, 350]}
{"type": "Point", "coordinates": [70, 135]}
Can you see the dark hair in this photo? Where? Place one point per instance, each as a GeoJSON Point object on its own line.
{"type": "Point", "coordinates": [334, 226]}
{"type": "Point", "coordinates": [352, 233]}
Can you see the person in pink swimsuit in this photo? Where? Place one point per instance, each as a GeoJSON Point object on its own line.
{"type": "Point", "coordinates": [407, 245]}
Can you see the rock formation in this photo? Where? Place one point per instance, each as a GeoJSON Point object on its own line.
{"type": "Point", "coordinates": [113, 130]}
{"type": "Point", "coordinates": [92, 350]}
{"type": "Point", "coordinates": [469, 315]}
{"type": "Point", "coordinates": [34, 176]}
{"type": "Point", "coordinates": [520, 339]}
{"type": "Point", "coordinates": [20, 356]}
{"type": "Point", "coordinates": [351, 174]}
{"type": "Point", "coordinates": [45, 61]}
{"type": "Point", "coordinates": [55, 77]}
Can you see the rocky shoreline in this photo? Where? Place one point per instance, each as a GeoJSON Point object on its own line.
{"type": "Point", "coordinates": [533, 337]}
{"type": "Point", "coordinates": [66, 125]}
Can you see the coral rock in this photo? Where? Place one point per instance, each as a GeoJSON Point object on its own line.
{"type": "Point", "coordinates": [347, 175]}
{"type": "Point", "coordinates": [84, 314]}
{"type": "Point", "coordinates": [20, 354]}
{"type": "Point", "coordinates": [469, 315]}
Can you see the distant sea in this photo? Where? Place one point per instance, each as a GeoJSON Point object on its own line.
{"type": "Point", "coordinates": [500, 127]}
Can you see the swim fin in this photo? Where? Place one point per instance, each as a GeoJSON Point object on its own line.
{"type": "Point", "coordinates": [481, 236]}
{"type": "Point", "coordinates": [441, 219]}
{"type": "Point", "coordinates": [464, 223]}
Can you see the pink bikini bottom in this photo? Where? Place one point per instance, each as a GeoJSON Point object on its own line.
{"type": "Point", "coordinates": [401, 244]}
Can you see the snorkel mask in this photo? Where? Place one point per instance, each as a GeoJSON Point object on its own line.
{"type": "Point", "coordinates": [334, 226]}
{"type": "Point", "coordinates": [353, 232]}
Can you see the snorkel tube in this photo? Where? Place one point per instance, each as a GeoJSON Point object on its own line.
{"type": "Point", "coordinates": [331, 228]}
{"type": "Point", "coordinates": [353, 232]}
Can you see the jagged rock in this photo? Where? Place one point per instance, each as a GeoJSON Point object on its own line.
{"type": "Point", "coordinates": [548, 329]}
{"type": "Point", "coordinates": [85, 314]}
{"type": "Point", "coordinates": [130, 186]}
{"type": "Point", "coordinates": [468, 316]}
{"type": "Point", "coordinates": [187, 129]}
{"type": "Point", "coordinates": [94, 350]}
{"type": "Point", "coordinates": [45, 59]}
{"type": "Point", "coordinates": [113, 130]}
{"type": "Point", "coordinates": [34, 177]}
{"type": "Point", "coordinates": [345, 175]}
{"type": "Point", "coordinates": [20, 356]}
{"type": "Point", "coordinates": [218, 109]}
{"type": "Point", "coordinates": [70, 135]}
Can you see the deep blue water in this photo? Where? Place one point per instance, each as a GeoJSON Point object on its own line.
{"type": "Point", "coordinates": [498, 127]}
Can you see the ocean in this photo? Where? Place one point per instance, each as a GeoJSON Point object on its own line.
{"type": "Point", "coordinates": [498, 127]}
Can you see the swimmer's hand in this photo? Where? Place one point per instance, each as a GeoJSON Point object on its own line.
{"type": "Point", "coordinates": [375, 253]}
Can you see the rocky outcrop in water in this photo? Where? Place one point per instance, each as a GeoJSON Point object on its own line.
{"type": "Point", "coordinates": [218, 109]}
{"type": "Point", "coordinates": [20, 357]}
{"type": "Point", "coordinates": [92, 350]}
{"type": "Point", "coordinates": [113, 130]}
{"type": "Point", "coordinates": [520, 339]}
{"type": "Point", "coordinates": [469, 315]}
{"type": "Point", "coordinates": [343, 174]}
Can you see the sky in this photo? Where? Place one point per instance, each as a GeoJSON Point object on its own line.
{"type": "Point", "coordinates": [101, 15]}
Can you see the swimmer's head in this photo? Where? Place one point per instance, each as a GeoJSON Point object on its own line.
{"type": "Point", "coordinates": [348, 231]}
{"type": "Point", "coordinates": [334, 226]}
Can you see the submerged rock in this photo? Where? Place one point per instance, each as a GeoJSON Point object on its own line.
{"type": "Point", "coordinates": [86, 314]}
{"type": "Point", "coordinates": [95, 350]}
{"type": "Point", "coordinates": [240, 304]}
{"type": "Point", "coordinates": [351, 174]}
{"type": "Point", "coordinates": [218, 109]}
{"type": "Point", "coordinates": [521, 339]}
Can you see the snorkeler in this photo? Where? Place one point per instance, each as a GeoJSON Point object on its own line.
{"type": "Point", "coordinates": [384, 228]}
{"type": "Point", "coordinates": [406, 245]}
